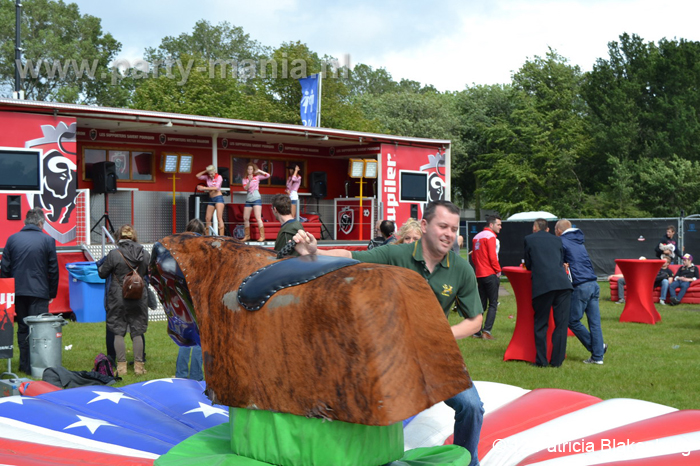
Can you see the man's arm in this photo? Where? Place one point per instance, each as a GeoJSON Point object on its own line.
{"type": "Point", "coordinates": [467, 327]}
{"type": "Point", "coordinates": [307, 245]}
{"type": "Point", "coordinates": [528, 259]}
{"type": "Point", "coordinates": [53, 269]}
{"type": "Point", "coordinates": [493, 257]}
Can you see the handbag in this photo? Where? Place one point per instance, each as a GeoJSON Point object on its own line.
{"type": "Point", "coordinates": [132, 287]}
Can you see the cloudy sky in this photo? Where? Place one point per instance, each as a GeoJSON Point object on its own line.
{"type": "Point", "coordinates": [450, 44]}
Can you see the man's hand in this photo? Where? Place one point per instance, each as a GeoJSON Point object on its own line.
{"type": "Point", "coordinates": [305, 243]}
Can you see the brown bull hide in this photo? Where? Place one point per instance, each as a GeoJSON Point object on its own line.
{"type": "Point", "coordinates": [367, 344]}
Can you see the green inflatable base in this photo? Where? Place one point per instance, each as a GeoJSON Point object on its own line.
{"type": "Point", "coordinates": [213, 448]}
{"type": "Point", "coordinates": [291, 440]}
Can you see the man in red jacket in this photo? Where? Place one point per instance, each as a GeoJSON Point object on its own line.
{"type": "Point", "coordinates": [488, 271]}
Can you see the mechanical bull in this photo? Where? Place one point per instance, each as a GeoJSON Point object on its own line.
{"type": "Point", "coordinates": [363, 343]}
{"type": "Point", "coordinates": [315, 336]}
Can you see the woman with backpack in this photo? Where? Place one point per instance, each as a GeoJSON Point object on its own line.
{"type": "Point", "coordinates": [127, 297]}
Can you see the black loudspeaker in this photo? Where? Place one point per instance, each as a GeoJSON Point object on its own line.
{"type": "Point", "coordinates": [14, 207]}
{"type": "Point", "coordinates": [223, 171]}
{"type": "Point", "coordinates": [104, 177]}
{"type": "Point", "coordinates": [318, 182]}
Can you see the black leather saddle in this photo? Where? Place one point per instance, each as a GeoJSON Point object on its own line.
{"type": "Point", "coordinates": [258, 287]}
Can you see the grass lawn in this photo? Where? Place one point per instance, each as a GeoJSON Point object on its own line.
{"type": "Point", "coordinates": [657, 363]}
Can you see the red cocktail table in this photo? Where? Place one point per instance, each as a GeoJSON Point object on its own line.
{"type": "Point", "coordinates": [639, 301]}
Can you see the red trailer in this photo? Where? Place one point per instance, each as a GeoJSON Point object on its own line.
{"type": "Point", "coordinates": [63, 142]}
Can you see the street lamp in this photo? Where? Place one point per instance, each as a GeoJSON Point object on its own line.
{"type": "Point", "coordinates": [362, 168]}
{"type": "Point", "coordinates": [175, 163]}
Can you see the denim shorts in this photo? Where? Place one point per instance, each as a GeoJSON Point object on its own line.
{"type": "Point", "coordinates": [216, 200]}
{"type": "Point", "coordinates": [253, 203]}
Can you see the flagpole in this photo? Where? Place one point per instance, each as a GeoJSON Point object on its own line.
{"type": "Point", "coordinates": [318, 113]}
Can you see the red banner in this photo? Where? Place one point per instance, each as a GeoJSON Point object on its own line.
{"type": "Point", "coordinates": [399, 163]}
{"type": "Point", "coordinates": [7, 316]}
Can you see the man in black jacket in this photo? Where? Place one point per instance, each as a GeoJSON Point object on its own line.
{"type": "Point", "coordinates": [30, 258]}
{"type": "Point", "coordinates": [684, 276]}
{"type": "Point", "coordinates": [667, 244]}
{"type": "Point", "coordinates": [551, 289]}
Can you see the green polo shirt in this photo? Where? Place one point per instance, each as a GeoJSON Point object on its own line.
{"type": "Point", "coordinates": [452, 280]}
{"type": "Point", "coordinates": [286, 233]}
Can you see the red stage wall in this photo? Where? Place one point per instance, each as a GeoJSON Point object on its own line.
{"type": "Point", "coordinates": [396, 159]}
{"type": "Point", "coordinates": [55, 137]}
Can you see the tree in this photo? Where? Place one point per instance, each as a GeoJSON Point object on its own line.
{"type": "Point", "coordinates": [66, 54]}
{"type": "Point", "coordinates": [294, 60]}
{"type": "Point", "coordinates": [224, 51]}
{"type": "Point", "coordinates": [668, 186]}
{"type": "Point", "coordinates": [363, 80]}
{"type": "Point", "coordinates": [536, 148]}
{"type": "Point", "coordinates": [643, 103]}
{"type": "Point", "coordinates": [479, 109]}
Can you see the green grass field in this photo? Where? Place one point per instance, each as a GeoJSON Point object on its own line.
{"type": "Point", "coordinates": [657, 363]}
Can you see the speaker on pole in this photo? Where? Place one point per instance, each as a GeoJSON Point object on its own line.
{"type": "Point", "coordinates": [318, 183]}
{"type": "Point", "coordinates": [104, 177]}
{"type": "Point", "coordinates": [223, 171]}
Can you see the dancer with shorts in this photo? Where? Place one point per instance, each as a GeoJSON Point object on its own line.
{"type": "Point", "coordinates": [253, 201]}
{"type": "Point", "coordinates": [216, 197]}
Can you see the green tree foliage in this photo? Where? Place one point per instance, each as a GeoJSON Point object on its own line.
{"type": "Point", "coordinates": [212, 42]}
{"type": "Point", "coordinates": [535, 149]}
{"type": "Point", "coordinates": [66, 54]}
{"type": "Point", "coordinates": [479, 108]}
{"type": "Point", "coordinates": [667, 186]}
{"type": "Point", "coordinates": [415, 112]}
{"type": "Point", "coordinates": [363, 80]}
{"type": "Point", "coordinates": [219, 71]}
{"type": "Point", "coordinates": [642, 117]}
{"type": "Point", "coordinates": [210, 71]}
{"type": "Point", "coordinates": [185, 90]}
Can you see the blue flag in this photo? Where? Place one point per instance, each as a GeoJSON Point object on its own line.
{"type": "Point", "coordinates": [310, 107]}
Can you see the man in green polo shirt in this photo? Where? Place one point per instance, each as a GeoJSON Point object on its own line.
{"type": "Point", "coordinates": [452, 280]}
{"type": "Point", "coordinates": [282, 208]}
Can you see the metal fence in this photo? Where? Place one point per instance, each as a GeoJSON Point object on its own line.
{"type": "Point", "coordinates": [607, 239]}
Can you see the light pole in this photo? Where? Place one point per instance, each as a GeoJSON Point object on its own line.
{"type": "Point", "coordinates": [18, 93]}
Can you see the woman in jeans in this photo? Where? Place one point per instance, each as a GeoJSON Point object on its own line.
{"type": "Point", "coordinates": [253, 201]}
{"type": "Point", "coordinates": [216, 197]}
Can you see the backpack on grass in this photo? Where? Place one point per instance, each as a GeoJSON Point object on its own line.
{"type": "Point", "coordinates": [105, 365]}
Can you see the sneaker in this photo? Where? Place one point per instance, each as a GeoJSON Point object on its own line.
{"type": "Point", "coordinates": [662, 302]}
{"type": "Point", "coordinates": [592, 361]}
{"type": "Point", "coordinates": [477, 335]}
{"type": "Point", "coordinates": [620, 301]}
{"type": "Point", "coordinates": [675, 302]}
{"type": "Point", "coordinates": [486, 335]}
